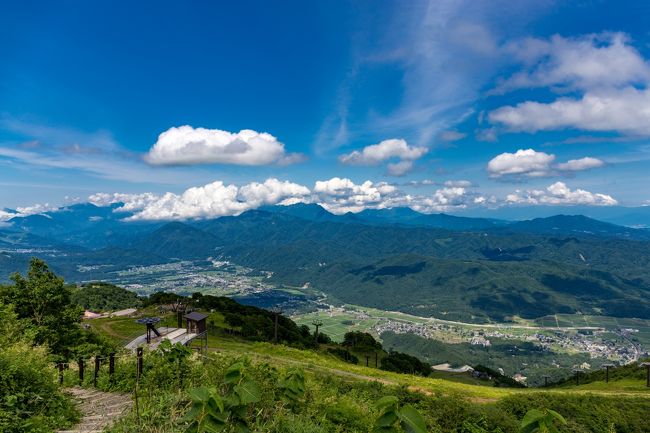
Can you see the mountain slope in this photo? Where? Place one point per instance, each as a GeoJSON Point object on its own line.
{"type": "Point", "coordinates": [178, 240]}
{"type": "Point", "coordinates": [574, 225]}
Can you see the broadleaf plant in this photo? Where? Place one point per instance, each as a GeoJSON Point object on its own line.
{"type": "Point", "coordinates": [541, 421]}
{"type": "Point", "coordinates": [292, 386]}
{"type": "Point", "coordinates": [393, 418]}
{"type": "Point", "coordinates": [211, 412]}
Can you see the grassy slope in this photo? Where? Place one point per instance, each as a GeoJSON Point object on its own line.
{"type": "Point", "coordinates": [124, 329]}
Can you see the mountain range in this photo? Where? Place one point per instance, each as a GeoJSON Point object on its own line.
{"type": "Point", "coordinates": [461, 267]}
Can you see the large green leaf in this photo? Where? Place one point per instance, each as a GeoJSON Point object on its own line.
{"type": "Point", "coordinates": [200, 394]}
{"type": "Point", "coordinates": [556, 415]}
{"type": "Point", "coordinates": [248, 392]}
{"type": "Point", "coordinates": [194, 413]}
{"type": "Point", "coordinates": [411, 420]}
{"type": "Point", "coordinates": [532, 418]}
{"type": "Point", "coordinates": [386, 419]}
{"type": "Point", "coordinates": [234, 373]}
{"type": "Point", "coordinates": [386, 402]}
{"type": "Point", "coordinates": [215, 403]}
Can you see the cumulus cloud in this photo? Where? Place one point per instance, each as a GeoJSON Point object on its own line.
{"type": "Point", "coordinates": [186, 145]}
{"type": "Point", "coordinates": [393, 149]}
{"type": "Point", "coordinates": [585, 163]}
{"type": "Point", "coordinates": [343, 195]}
{"type": "Point", "coordinates": [209, 201]}
{"type": "Point", "coordinates": [530, 163]}
{"type": "Point", "coordinates": [130, 202]}
{"type": "Point", "coordinates": [559, 194]}
{"type": "Point", "coordinates": [337, 195]}
{"type": "Point", "coordinates": [6, 216]}
{"type": "Point", "coordinates": [609, 74]}
{"type": "Point", "coordinates": [523, 163]}
{"type": "Point", "coordinates": [37, 209]}
{"type": "Point", "coordinates": [622, 110]}
{"type": "Point", "coordinates": [584, 62]}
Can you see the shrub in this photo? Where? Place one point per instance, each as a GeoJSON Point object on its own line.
{"type": "Point", "coordinates": [30, 400]}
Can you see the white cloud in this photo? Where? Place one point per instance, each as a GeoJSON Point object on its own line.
{"type": "Point", "coordinates": [487, 134]}
{"type": "Point", "coordinates": [37, 209]}
{"type": "Point", "coordinates": [343, 195]}
{"type": "Point", "coordinates": [585, 163]}
{"type": "Point", "coordinates": [375, 154]}
{"type": "Point", "coordinates": [97, 154]}
{"type": "Point", "coordinates": [130, 202]}
{"type": "Point", "coordinates": [185, 145]}
{"type": "Point", "coordinates": [622, 110]}
{"type": "Point", "coordinates": [452, 135]}
{"type": "Point", "coordinates": [337, 195]}
{"type": "Point", "coordinates": [6, 216]}
{"type": "Point", "coordinates": [585, 62]}
{"type": "Point", "coordinates": [399, 168]}
{"type": "Point", "coordinates": [530, 163]}
{"type": "Point", "coordinates": [521, 163]}
{"type": "Point", "coordinates": [387, 149]}
{"type": "Point", "coordinates": [559, 194]}
{"type": "Point", "coordinates": [458, 183]}
{"type": "Point", "coordinates": [209, 201]}
{"type": "Point", "coordinates": [420, 183]}
{"type": "Point", "coordinates": [609, 74]}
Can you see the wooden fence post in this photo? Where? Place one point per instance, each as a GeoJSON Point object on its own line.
{"type": "Point", "coordinates": [81, 371]}
{"type": "Point", "coordinates": [139, 372]}
{"type": "Point", "coordinates": [97, 365]}
{"type": "Point", "coordinates": [111, 366]}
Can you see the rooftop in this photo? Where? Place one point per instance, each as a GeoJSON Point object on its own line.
{"type": "Point", "coordinates": [196, 316]}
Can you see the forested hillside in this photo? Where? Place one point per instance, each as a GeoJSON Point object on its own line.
{"type": "Point", "coordinates": [473, 269]}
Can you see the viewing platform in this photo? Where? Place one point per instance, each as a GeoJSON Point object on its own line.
{"type": "Point", "coordinates": [196, 329]}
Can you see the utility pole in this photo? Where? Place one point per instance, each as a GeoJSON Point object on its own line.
{"type": "Point", "coordinates": [277, 311]}
{"type": "Point", "coordinates": [607, 367]}
{"type": "Point", "coordinates": [647, 367]}
{"type": "Point", "coordinates": [577, 372]}
{"type": "Point", "coordinates": [317, 323]}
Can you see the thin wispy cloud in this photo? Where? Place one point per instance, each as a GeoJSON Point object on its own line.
{"type": "Point", "coordinates": [97, 154]}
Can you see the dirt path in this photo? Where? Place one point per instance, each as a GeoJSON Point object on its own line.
{"type": "Point", "coordinates": [99, 409]}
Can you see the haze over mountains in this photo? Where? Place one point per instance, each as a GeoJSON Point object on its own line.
{"type": "Point", "coordinates": [459, 267]}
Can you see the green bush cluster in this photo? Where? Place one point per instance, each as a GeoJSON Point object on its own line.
{"type": "Point", "coordinates": [322, 402]}
{"type": "Point", "coordinates": [100, 296]}
{"type": "Point", "coordinates": [39, 324]}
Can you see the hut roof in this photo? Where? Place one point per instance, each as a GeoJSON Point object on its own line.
{"type": "Point", "coordinates": [195, 316]}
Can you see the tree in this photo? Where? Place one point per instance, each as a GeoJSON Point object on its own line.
{"type": "Point", "coordinates": [361, 341]}
{"type": "Point", "coordinates": [43, 299]}
{"type": "Point", "coordinates": [403, 363]}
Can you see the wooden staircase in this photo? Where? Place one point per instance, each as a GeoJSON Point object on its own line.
{"type": "Point", "coordinates": [99, 409]}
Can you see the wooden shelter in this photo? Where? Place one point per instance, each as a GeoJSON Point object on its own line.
{"type": "Point", "coordinates": [196, 322]}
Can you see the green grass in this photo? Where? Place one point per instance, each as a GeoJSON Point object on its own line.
{"type": "Point", "coordinates": [320, 362]}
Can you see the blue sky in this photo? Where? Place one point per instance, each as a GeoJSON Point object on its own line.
{"type": "Point", "coordinates": [442, 106]}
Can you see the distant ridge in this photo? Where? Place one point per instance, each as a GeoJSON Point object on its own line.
{"type": "Point", "coordinates": [575, 225]}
